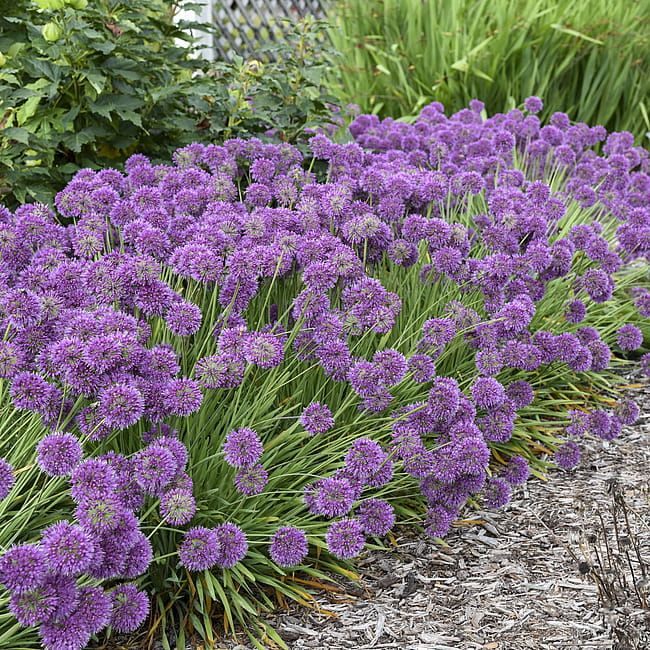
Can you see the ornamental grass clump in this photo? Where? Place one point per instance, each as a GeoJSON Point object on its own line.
{"type": "Point", "coordinates": [245, 367]}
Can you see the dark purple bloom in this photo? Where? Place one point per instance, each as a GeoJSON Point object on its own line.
{"type": "Point", "coordinates": [120, 405]}
{"type": "Point", "coordinates": [376, 516]}
{"type": "Point", "coordinates": [629, 337]}
{"type": "Point", "coordinates": [438, 521]}
{"type": "Point", "coordinates": [183, 318]}
{"type": "Point", "coordinates": [345, 538]}
{"type": "Point", "coordinates": [364, 458]}
{"type": "Point", "coordinates": [334, 497]}
{"type": "Point", "coordinates": [58, 454]}
{"type": "Point", "coordinates": [199, 549]}
{"type": "Point", "coordinates": [23, 568]}
{"type": "Point", "coordinates": [242, 448]}
{"type": "Point", "coordinates": [317, 418]}
{"type": "Point", "coordinates": [154, 466]}
{"type": "Point", "coordinates": [177, 506]}
{"type": "Point", "coordinates": [33, 607]}
{"type": "Point", "coordinates": [575, 311]}
{"type": "Point", "coordinates": [567, 455]}
{"type": "Point", "coordinates": [497, 493]}
{"type": "Point", "coordinates": [264, 350]}
{"type": "Point", "coordinates": [288, 546]}
{"type": "Point", "coordinates": [488, 392]}
{"type": "Point", "coordinates": [182, 396]}
{"type": "Point", "coordinates": [533, 104]}
{"type": "Point", "coordinates": [627, 412]}
{"type": "Point", "coordinates": [69, 549]}
{"type": "Point", "coordinates": [422, 368]}
{"type": "Point", "coordinates": [520, 393]}
{"type": "Point", "coordinates": [7, 478]}
{"type": "Point", "coordinates": [252, 479]}
{"type": "Point", "coordinates": [232, 545]}
{"type": "Point", "coordinates": [92, 478]}
{"type": "Point", "coordinates": [130, 608]}
{"type": "Point", "coordinates": [516, 471]}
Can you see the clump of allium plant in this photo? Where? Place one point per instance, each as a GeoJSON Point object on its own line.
{"type": "Point", "coordinates": [217, 371]}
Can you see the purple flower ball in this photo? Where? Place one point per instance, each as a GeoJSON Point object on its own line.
{"type": "Point", "coordinates": [34, 607]}
{"type": "Point", "coordinates": [93, 608]}
{"type": "Point", "coordinates": [182, 396]}
{"type": "Point", "coordinates": [57, 454]}
{"type": "Point", "coordinates": [497, 493]}
{"type": "Point", "coordinates": [120, 405]}
{"type": "Point", "coordinates": [154, 466]}
{"type": "Point", "coordinates": [91, 479]}
{"type": "Point", "coordinates": [264, 349]}
{"type": "Point", "coordinates": [629, 337]}
{"type": "Point", "coordinates": [488, 393]}
{"type": "Point", "coordinates": [130, 608]}
{"type": "Point", "coordinates": [199, 549]}
{"type": "Point", "coordinates": [232, 545]}
{"type": "Point", "coordinates": [289, 546]}
{"type": "Point", "coordinates": [23, 568]}
{"type": "Point", "coordinates": [334, 497]}
{"type": "Point", "coordinates": [517, 471]}
{"type": "Point", "coordinates": [377, 517]}
{"type": "Point", "coordinates": [242, 448]}
{"type": "Point", "coordinates": [575, 312]}
{"type": "Point", "coordinates": [627, 412]}
{"type": "Point", "coordinates": [438, 521]}
{"type": "Point", "coordinates": [69, 549]}
{"type": "Point", "coordinates": [568, 455]}
{"type": "Point", "coordinates": [251, 480]}
{"type": "Point", "coordinates": [7, 478]}
{"type": "Point", "coordinates": [68, 632]}
{"type": "Point", "coordinates": [345, 538]}
{"type": "Point", "coordinates": [138, 557]}
{"type": "Point", "coordinates": [520, 393]}
{"type": "Point", "coordinates": [317, 418]}
{"type": "Point", "coordinates": [422, 368]}
{"type": "Point", "coordinates": [533, 104]}
{"type": "Point", "coordinates": [183, 318]}
{"type": "Point", "coordinates": [177, 506]}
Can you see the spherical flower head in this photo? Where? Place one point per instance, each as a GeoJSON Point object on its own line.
{"type": "Point", "coordinates": [627, 412]}
{"type": "Point", "coordinates": [91, 479]}
{"type": "Point", "coordinates": [130, 608]}
{"type": "Point", "coordinates": [644, 362]}
{"type": "Point", "coordinates": [120, 405]}
{"type": "Point", "coordinates": [99, 513]}
{"type": "Point", "coordinates": [251, 480]}
{"type": "Point", "coordinates": [497, 493]}
{"type": "Point", "coordinates": [242, 448]}
{"type": "Point", "coordinates": [317, 418]}
{"type": "Point", "coordinates": [23, 568]}
{"type": "Point", "coordinates": [177, 506]}
{"type": "Point", "coordinates": [264, 349]}
{"type": "Point", "coordinates": [183, 318]}
{"type": "Point", "coordinates": [599, 424]}
{"type": "Point", "coordinates": [57, 454]}
{"type": "Point", "coordinates": [444, 398]}
{"type": "Point", "coordinates": [69, 549]}
{"type": "Point", "coordinates": [488, 393]}
{"type": "Point", "coordinates": [232, 545]}
{"type": "Point", "coordinates": [138, 557]}
{"type": "Point", "coordinates": [177, 449]}
{"type": "Point", "coordinates": [392, 365]}
{"type": "Point", "coordinates": [345, 538]}
{"type": "Point", "coordinates": [67, 633]}
{"type": "Point", "coordinates": [629, 337]}
{"type": "Point", "coordinates": [438, 521]}
{"type": "Point", "coordinates": [364, 458]}
{"type": "Point", "coordinates": [199, 549]}
{"type": "Point", "coordinates": [567, 455]}
{"type": "Point", "coordinates": [377, 517]}
{"type": "Point", "coordinates": [533, 104]}
{"type": "Point", "coordinates": [7, 478]}
{"type": "Point", "coordinates": [517, 471]}
{"type": "Point", "coordinates": [33, 607]}
{"type": "Point", "coordinates": [334, 497]}
{"type": "Point", "coordinates": [575, 312]}
{"type": "Point", "coordinates": [94, 608]}
{"type": "Point", "coordinates": [520, 393]}
{"type": "Point", "coordinates": [289, 546]}
{"type": "Point", "coordinates": [422, 368]}
{"type": "Point", "coordinates": [182, 396]}
{"type": "Point", "coordinates": [155, 466]}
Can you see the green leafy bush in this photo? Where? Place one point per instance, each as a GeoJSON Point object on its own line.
{"type": "Point", "coordinates": [591, 58]}
{"type": "Point", "coordinates": [88, 84]}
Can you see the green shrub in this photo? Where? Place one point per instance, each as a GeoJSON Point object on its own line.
{"type": "Point", "coordinates": [88, 84]}
{"type": "Point", "coordinates": [590, 58]}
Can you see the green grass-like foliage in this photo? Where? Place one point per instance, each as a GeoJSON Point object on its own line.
{"type": "Point", "coordinates": [592, 58]}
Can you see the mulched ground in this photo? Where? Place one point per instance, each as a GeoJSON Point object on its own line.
{"type": "Point", "coordinates": [525, 578]}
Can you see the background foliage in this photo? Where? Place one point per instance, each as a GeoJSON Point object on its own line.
{"type": "Point", "coordinates": [87, 84]}
{"type": "Point", "coordinates": [592, 59]}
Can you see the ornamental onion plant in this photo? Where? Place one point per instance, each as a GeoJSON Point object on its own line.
{"type": "Point", "coordinates": [226, 377]}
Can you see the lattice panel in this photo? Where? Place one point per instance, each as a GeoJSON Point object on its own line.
{"type": "Point", "coordinates": [244, 25]}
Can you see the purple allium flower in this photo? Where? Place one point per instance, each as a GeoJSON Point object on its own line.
{"type": "Point", "coordinates": [264, 349]}
{"type": "Point", "coordinates": [627, 412]}
{"type": "Point", "coordinates": [23, 568]}
{"type": "Point", "coordinates": [177, 506]}
{"type": "Point", "coordinates": [69, 549]}
{"type": "Point", "coordinates": [91, 479]}
{"type": "Point", "coordinates": [7, 478]}
{"type": "Point", "coordinates": [444, 398]}
{"type": "Point", "coordinates": [629, 337]}
{"type": "Point", "coordinates": [317, 418]}
{"type": "Point", "coordinates": [242, 448]}
{"type": "Point", "coordinates": [138, 557]}
{"type": "Point", "coordinates": [568, 455]}
{"type": "Point", "coordinates": [30, 391]}
{"type": "Point", "coordinates": [99, 513]}
{"type": "Point", "coordinates": [182, 396]}
{"type": "Point", "coordinates": [288, 546]}
{"type": "Point", "coordinates": [533, 104]}
{"type": "Point", "coordinates": [497, 493]}
{"type": "Point", "coordinates": [520, 393]}
{"type": "Point", "coordinates": [516, 471]}
{"type": "Point", "coordinates": [436, 333]}
{"type": "Point", "coordinates": [199, 549]}
{"type": "Point", "coordinates": [120, 405]}
{"type": "Point", "coordinates": [422, 368]}
{"type": "Point", "coordinates": [599, 424]}
{"type": "Point", "coordinates": [94, 608]}
{"type": "Point", "coordinates": [488, 392]}
{"type": "Point", "coordinates": [232, 545]}
{"type": "Point", "coordinates": [69, 632]}
{"type": "Point", "coordinates": [345, 538]}
{"type": "Point", "coordinates": [376, 516]}
{"type": "Point", "coordinates": [392, 365]}
{"type": "Point", "coordinates": [489, 361]}
{"type": "Point", "coordinates": [33, 607]}
{"type": "Point", "coordinates": [364, 458]}
{"type": "Point", "coordinates": [58, 454]}
{"type": "Point", "coordinates": [183, 318]}
{"type": "Point", "coordinates": [334, 497]}
{"type": "Point", "coordinates": [575, 311]}
{"type": "Point", "coordinates": [438, 521]}
{"type": "Point", "coordinates": [154, 466]}
{"type": "Point", "coordinates": [252, 479]}
{"type": "Point", "coordinates": [130, 608]}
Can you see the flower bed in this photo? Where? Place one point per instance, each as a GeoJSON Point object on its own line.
{"type": "Point", "coordinates": [245, 367]}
